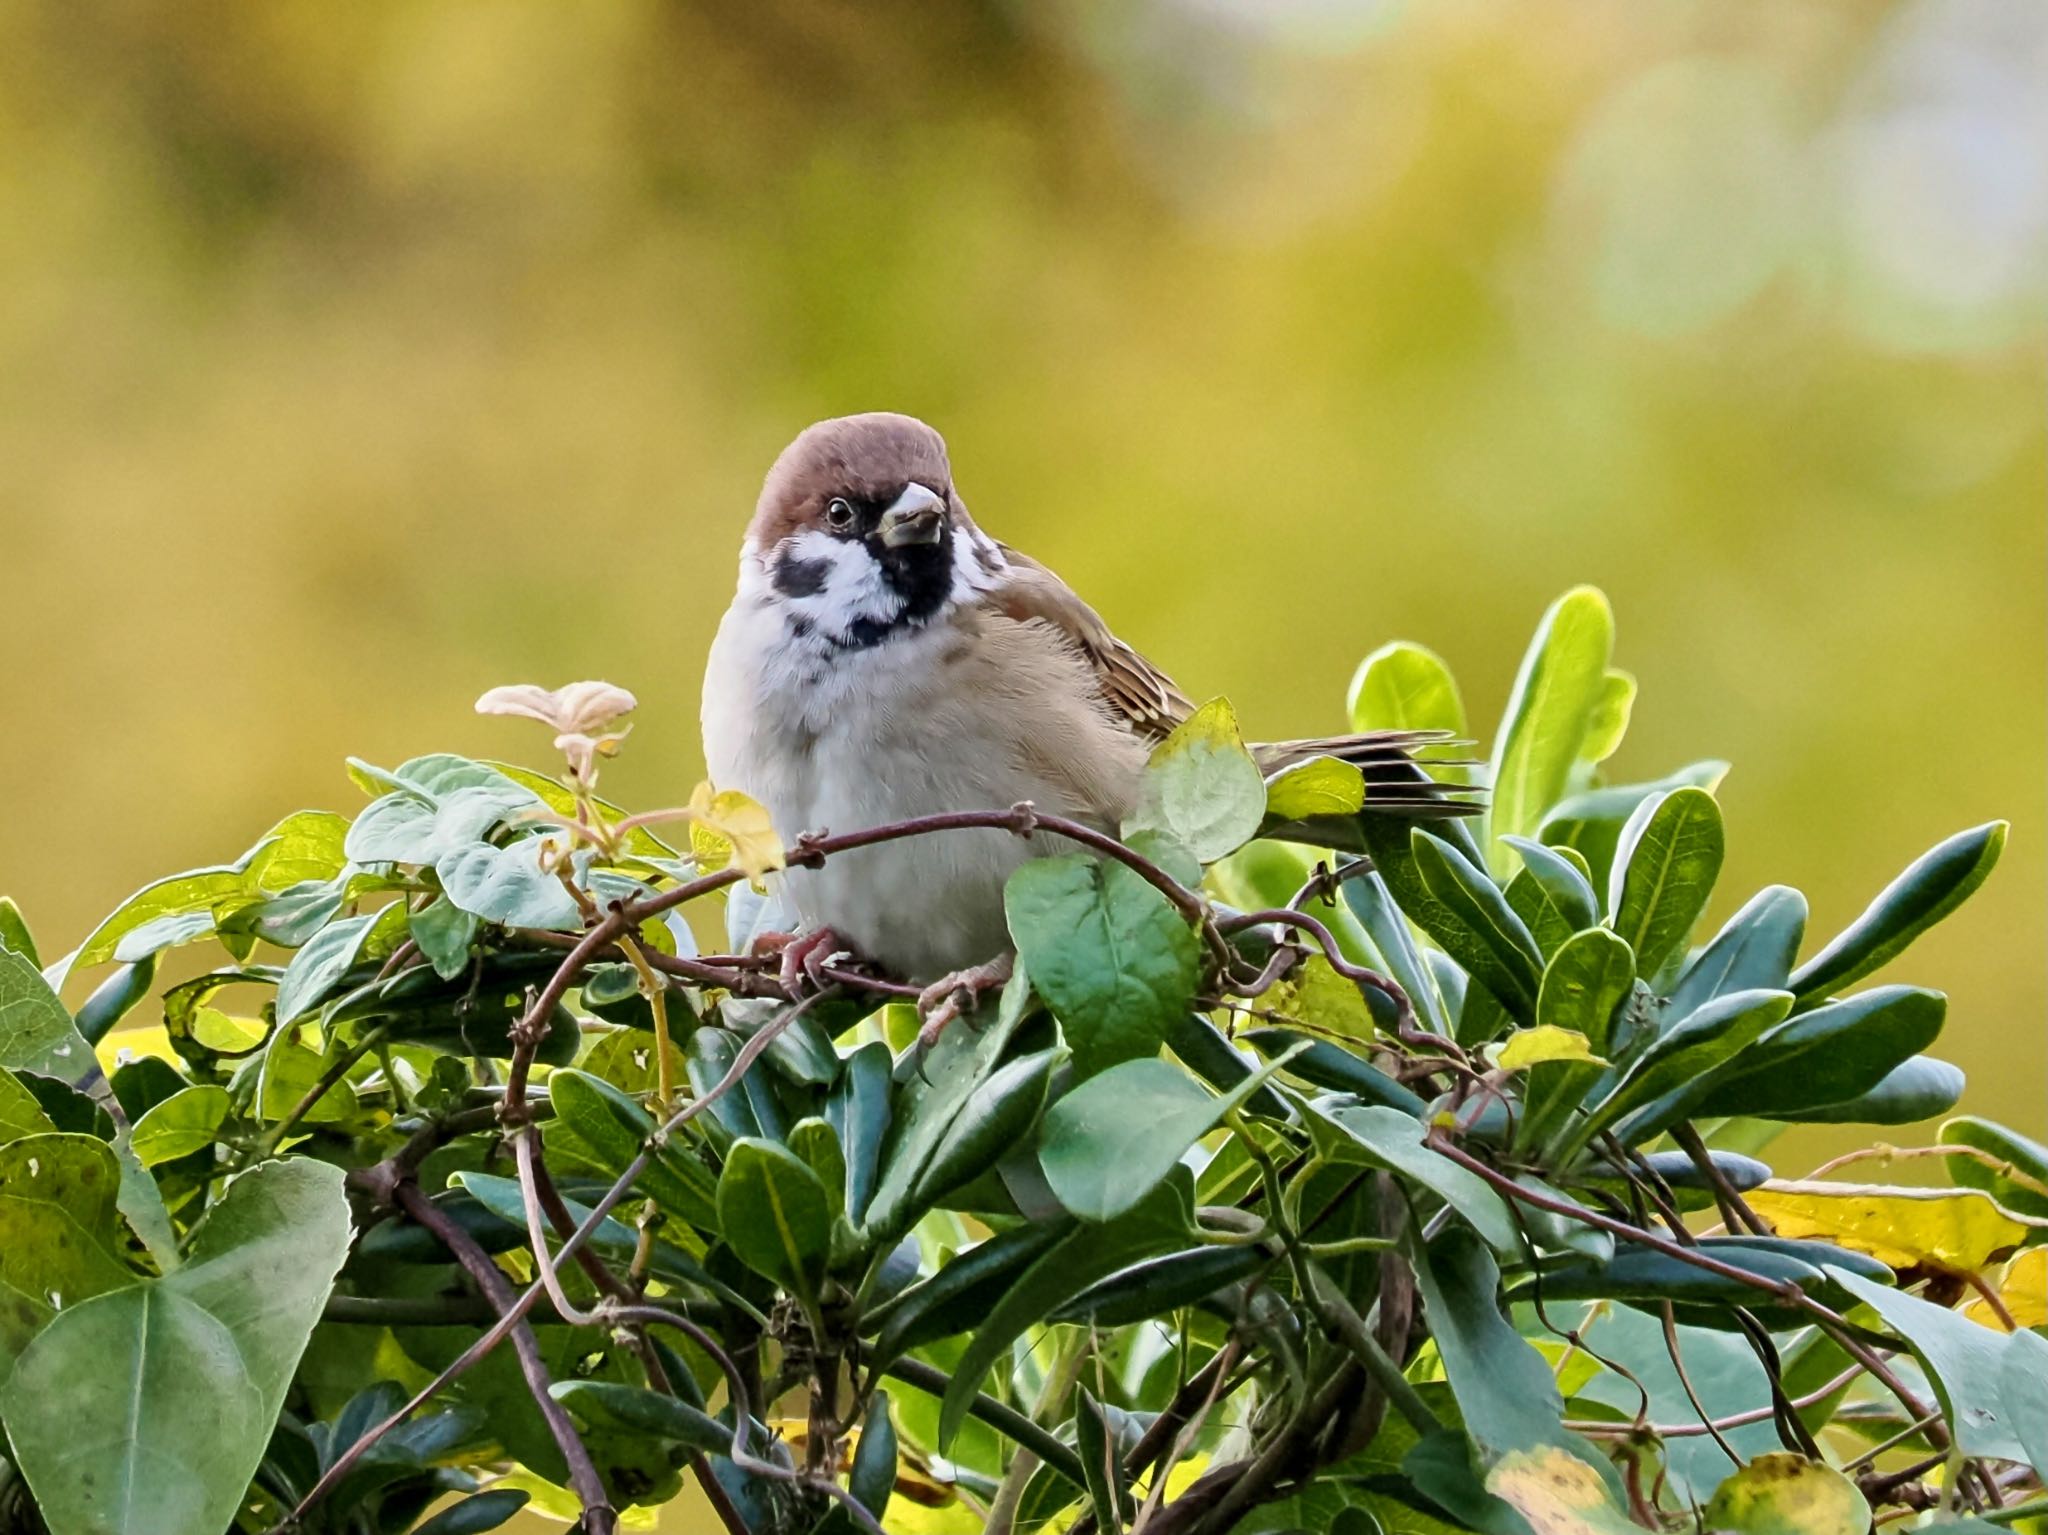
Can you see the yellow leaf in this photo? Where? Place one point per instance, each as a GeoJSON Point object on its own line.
{"type": "Point", "coordinates": [1545, 1042]}
{"type": "Point", "coordinates": [741, 824]}
{"type": "Point", "coordinates": [1319, 786]}
{"type": "Point", "coordinates": [2024, 1289]}
{"type": "Point", "coordinates": [1321, 998]}
{"type": "Point", "coordinates": [1558, 1494]}
{"type": "Point", "coordinates": [1957, 1230]}
{"type": "Point", "coordinates": [1780, 1494]}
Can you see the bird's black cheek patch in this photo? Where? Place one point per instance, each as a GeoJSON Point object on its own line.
{"type": "Point", "coordinates": [798, 577]}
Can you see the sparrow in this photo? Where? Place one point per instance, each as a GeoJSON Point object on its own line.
{"type": "Point", "coordinates": [884, 658]}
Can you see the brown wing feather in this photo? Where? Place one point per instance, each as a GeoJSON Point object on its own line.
{"type": "Point", "coordinates": [1131, 685]}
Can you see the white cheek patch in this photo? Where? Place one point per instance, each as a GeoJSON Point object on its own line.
{"type": "Point", "coordinates": [823, 583]}
{"type": "Point", "coordinates": [978, 565]}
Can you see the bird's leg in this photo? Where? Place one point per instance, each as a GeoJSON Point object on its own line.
{"type": "Point", "coordinates": [804, 956]}
{"type": "Point", "coordinates": [950, 996]}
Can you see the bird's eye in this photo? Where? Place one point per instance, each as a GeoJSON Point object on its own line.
{"type": "Point", "coordinates": [839, 513]}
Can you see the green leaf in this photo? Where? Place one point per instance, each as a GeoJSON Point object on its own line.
{"type": "Point", "coordinates": [858, 1110]}
{"type": "Point", "coordinates": [1202, 786]}
{"type": "Point", "coordinates": [1964, 1361]}
{"type": "Point", "coordinates": [1937, 883]}
{"type": "Point", "coordinates": [1113, 1140]}
{"type": "Point", "coordinates": [1504, 1387]}
{"type": "Point", "coordinates": [1475, 925]}
{"type": "Point", "coordinates": [994, 1121]}
{"type": "Point", "coordinates": [1590, 823]}
{"type": "Point", "coordinates": [2021, 1186]}
{"type": "Point", "coordinates": [146, 1411]}
{"type": "Point", "coordinates": [114, 998]}
{"type": "Point", "coordinates": [1665, 866]}
{"type": "Point", "coordinates": [184, 1123]}
{"type": "Point", "coordinates": [1372, 903]}
{"type": "Point", "coordinates": [1328, 1065]}
{"type": "Point", "coordinates": [316, 969]}
{"type": "Point", "coordinates": [873, 1475]}
{"type": "Point", "coordinates": [14, 933]}
{"type": "Point", "coordinates": [36, 1032]}
{"type": "Point", "coordinates": [1403, 686]}
{"type": "Point", "coordinates": [1318, 786]}
{"type": "Point", "coordinates": [508, 886]}
{"type": "Point", "coordinates": [964, 1290]}
{"type": "Point", "coordinates": [637, 1410]}
{"type": "Point", "coordinates": [775, 1215]}
{"type": "Point", "coordinates": [191, 895]}
{"type": "Point", "coordinates": [1781, 1494]}
{"type": "Point", "coordinates": [1912, 1091]}
{"type": "Point", "coordinates": [1549, 716]}
{"type": "Point", "coordinates": [444, 932]}
{"type": "Point", "coordinates": [1561, 876]}
{"type": "Point", "coordinates": [305, 847]}
{"type": "Point", "coordinates": [1162, 1221]}
{"type": "Point", "coordinates": [1109, 1489]}
{"type": "Point", "coordinates": [1388, 1139]}
{"type": "Point", "coordinates": [1829, 1055]}
{"type": "Point", "coordinates": [1677, 1063]}
{"type": "Point", "coordinates": [1584, 985]}
{"type": "Point", "coordinates": [816, 1144]}
{"type": "Point", "coordinates": [289, 1072]}
{"type": "Point", "coordinates": [1609, 721]}
{"type": "Point", "coordinates": [20, 1114]}
{"type": "Point", "coordinates": [59, 1233]}
{"type": "Point", "coordinates": [614, 1128]}
{"type": "Point", "coordinates": [1755, 950]}
{"type": "Point", "coordinates": [477, 1513]}
{"type": "Point", "coordinates": [1109, 953]}
{"type": "Point", "coordinates": [2023, 1389]}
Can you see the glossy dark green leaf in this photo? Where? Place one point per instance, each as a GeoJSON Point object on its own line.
{"type": "Point", "coordinates": [1678, 1062]}
{"type": "Point", "coordinates": [114, 998]}
{"type": "Point", "coordinates": [1640, 1274]}
{"type": "Point", "coordinates": [1549, 713]}
{"type": "Point", "coordinates": [1163, 1284]}
{"type": "Point", "coordinates": [1666, 862]}
{"type": "Point", "coordinates": [477, 1513]}
{"type": "Point", "coordinates": [636, 1410]}
{"type": "Point", "coordinates": [1111, 1141]}
{"type": "Point", "coordinates": [1911, 1092]}
{"type": "Point", "coordinates": [816, 1144]}
{"type": "Point", "coordinates": [1389, 1139]}
{"type": "Point", "coordinates": [1472, 921]}
{"type": "Point", "coordinates": [1204, 1050]}
{"type": "Point", "coordinates": [775, 1215]}
{"type": "Point", "coordinates": [1109, 1491]}
{"type": "Point", "coordinates": [1161, 1221]}
{"type": "Point", "coordinates": [2021, 1176]}
{"type": "Point", "coordinates": [1589, 978]}
{"type": "Point", "coordinates": [127, 1454]}
{"type": "Point", "coordinates": [614, 1127]}
{"type": "Point", "coordinates": [1756, 949]}
{"type": "Point", "coordinates": [873, 1475]}
{"type": "Point", "coordinates": [858, 1110]}
{"type": "Point", "coordinates": [1935, 884]}
{"type": "Point", "coordinates": [1591, 822]}
{"type": "Point", "coordinates": [996, 1118]}
{"type": "Point", "coordinates": [1332, 1066]}
{"type": "Point", "coordinates": [1831, 1054]}
{"type": "Point", "coordinates": [964, 1290]}
{"type": "Point", "coordinates": [1112, 957]}
{"type": "Point", "coordinates": [1963, 1358]}
{"type": "Point", "coordinates": [707, 1059]}
{"type": "Point", "coordinates": [1561, 875]}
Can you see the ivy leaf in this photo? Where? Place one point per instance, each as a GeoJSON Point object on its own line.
{"type": "Point", "coordinates": [36, 1031]}
{"type": "Point", "coordinates": [145, 1411]}
{"type": "Point", "coordinates": [508, 885]}
{"type": "Point", "coordinates": [183, 1123]}
{"type": "Point", "coordinates": [1963, 1359]}
{"type": "Point", "coordinates": [1202, 786]}
{"type": "Point", "coordinates": [1781, 1494]}
{"type": "Point", "coordinates": [1549, 714]}
{"type": "Point", "coordinates": [1665, 866]}
{"type": "Point", "coordinates": [59, 1233]}
{"type": "Point", "coordinates": [1112, 1140]}
{"type": "Point", "coordinates": [1109, 953]}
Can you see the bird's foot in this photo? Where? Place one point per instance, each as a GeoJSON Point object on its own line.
{"type": "Point", "coordinates": [804, 957]}
{"type": "Point", "coordinates": [961, 992]}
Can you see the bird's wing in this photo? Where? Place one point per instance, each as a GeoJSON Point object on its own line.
{"type": "Point", "coordinates": [1132, 686]}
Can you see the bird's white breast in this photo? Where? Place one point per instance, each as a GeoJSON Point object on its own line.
{"type": "Point", "coordinates": [837, 739]}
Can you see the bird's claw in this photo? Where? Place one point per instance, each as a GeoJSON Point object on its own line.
{"type": "Point", "coordinates": [805, 957]}
{"type": "Point", "coordinates": [961, 992]}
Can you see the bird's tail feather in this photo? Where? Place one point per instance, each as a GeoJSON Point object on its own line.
{"type": "Point", "coordinates": [1396, 783]}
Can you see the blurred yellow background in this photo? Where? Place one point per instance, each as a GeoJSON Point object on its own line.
{"type": "Point", "coordinates": [354, 358]}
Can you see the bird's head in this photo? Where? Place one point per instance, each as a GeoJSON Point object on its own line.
{"type": "Point", "coordinates": [858, 531]}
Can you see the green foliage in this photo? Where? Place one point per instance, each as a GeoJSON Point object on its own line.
{"type": "Point", "coordinates": [1385, 1209]}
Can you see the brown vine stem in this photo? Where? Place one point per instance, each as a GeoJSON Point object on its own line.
{"type": "Point", "coordinates": [1832, 1322]}
{"type": "Point", "coordinates": [1699, 1430]}
{"type": "Point", "coordinates": [598, 1515]}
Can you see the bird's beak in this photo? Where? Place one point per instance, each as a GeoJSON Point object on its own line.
{"type": "Point", "coordinates": [918, 516]}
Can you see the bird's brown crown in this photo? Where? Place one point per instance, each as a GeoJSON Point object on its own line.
{"type": "Point", "coordinates": [868, 457]}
